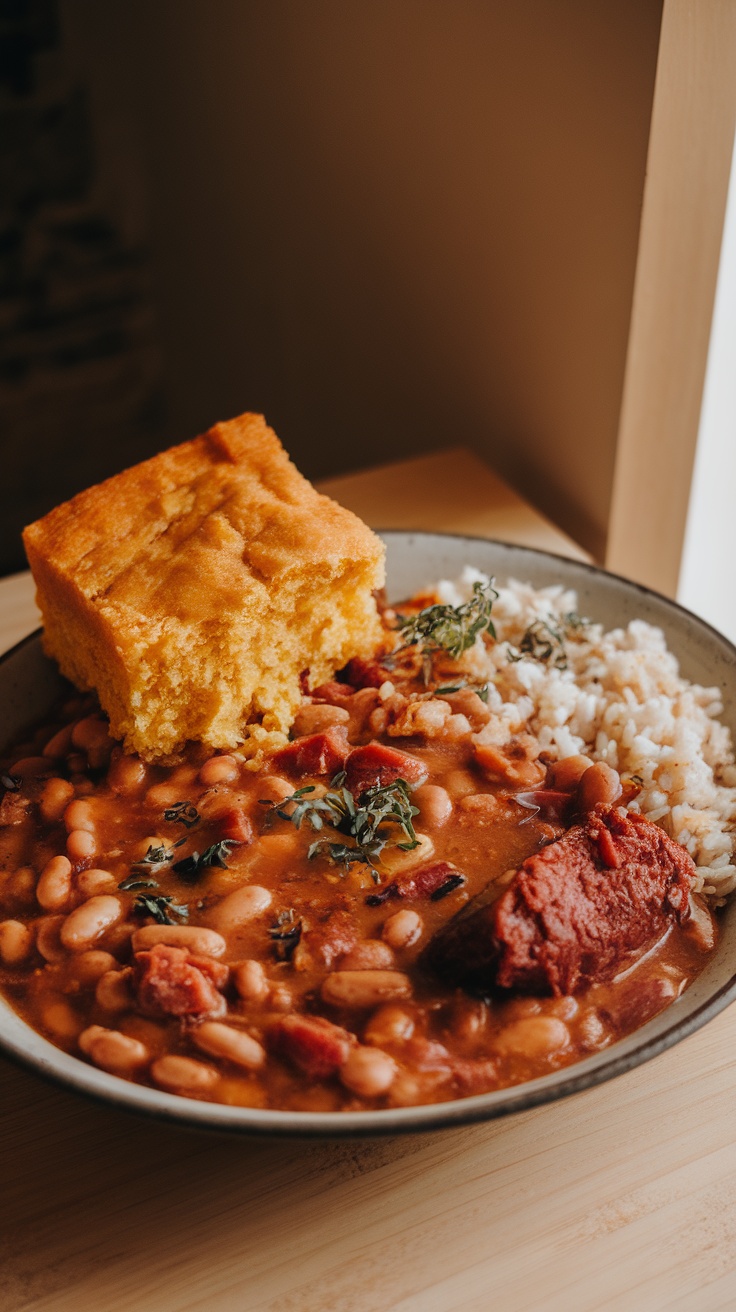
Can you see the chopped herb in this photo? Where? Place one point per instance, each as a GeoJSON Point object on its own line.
{"type": "Point", "coordinates": [156, 856]}
{"type": "Point", "coordinates": [452, 629]}
{"type": "Point", "coordinates": [163, 909]}
{"type": "Point", "coordinates": [366, 820]}
{"type": "Point", "coordinates": [131, 883]}
{"type": "Point", "coordinates": [182, 813]}
{"type": "Point", "coordinates": [10, 782]}
{"type": "Point", "coordinates": [216, 855]}
{"type": "Point", "coordinates": [286, 933]}
{"type": "Point", "coordinates": [481, 689]}
{"type": "Point", "coordinates": [544, 640]}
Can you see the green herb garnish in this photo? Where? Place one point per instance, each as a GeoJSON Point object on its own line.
{"type": "Point", "coordinates": [216, 855]}
{"type": "Point", "coordinates": [370, 820]}
{"type": "Point", "coordinates": [163, 909]}
{"type": "Point", "coordinates": [131, 883]}
{"type": "Point", "coordinates": [544, 640]}
{"type": "Point", "coordinates": [182, 813]}
{"type": "Point", "coordinates": [452, 629]}
{"type": "Point", "coordinates": [286, 933]}
{"type": "Point", "coordinates": [156, 856]}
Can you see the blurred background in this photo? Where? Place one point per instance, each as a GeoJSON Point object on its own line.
{"type": "Point", "coordinates": [390, 226]}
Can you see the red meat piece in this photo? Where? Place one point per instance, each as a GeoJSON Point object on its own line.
{"type": "Point", "coordinates": [235, 825]}
{"type": "Point", "coordinates": [171, 982]}
{"type": "Point", "coordinates": [320, 946]}
{"type": "Point", "coordinates": [426, 881]}
{"type": "Point", "coordinates": [360, 673]}
{"type": "Point", "coordinates": [376, 764]}
{"type": "Point", "coordinates": [318, 753]}
{"type": "Point", "coordinates": [573, 912]}
{"type": "Point", "coordinates": [314, 1045]}
{"type": "Point", "coordinates": [336, 694]}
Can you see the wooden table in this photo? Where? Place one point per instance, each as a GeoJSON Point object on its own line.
{"type": "Point", "coordinates": [621, 1198]}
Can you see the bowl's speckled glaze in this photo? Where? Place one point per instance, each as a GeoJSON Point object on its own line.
{"type": "Point", "coordinates": [29, 684]}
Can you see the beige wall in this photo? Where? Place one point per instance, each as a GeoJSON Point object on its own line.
{"type": "Point", "coordinates": [396, 224]}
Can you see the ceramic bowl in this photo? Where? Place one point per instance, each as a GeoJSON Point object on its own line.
{"type": "Point", "coordinates": [29, 684]}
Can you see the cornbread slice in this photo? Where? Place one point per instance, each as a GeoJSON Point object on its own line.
{"type": "Point", "coordinates": [193, 590]}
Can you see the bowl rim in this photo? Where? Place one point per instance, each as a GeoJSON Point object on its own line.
{"type": "Point", "coordinates": [60, 1068]}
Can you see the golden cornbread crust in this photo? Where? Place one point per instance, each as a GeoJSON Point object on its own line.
{"type": "Point", "coordinates": [193, 590]}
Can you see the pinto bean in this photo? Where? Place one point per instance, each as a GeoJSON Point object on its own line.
{"type": "Point", "coordinates": [127, 774]}
{"type": "Point", "coordinates": [112, 1051]}
{"type": "Point", "coordinates": [230, 1044]}
{"type": "Point", "coordinates": [159, 796]}
{"type": "Point", "coordinates": [84, 925]}
{"type": "Point", "coordinates": [91, 882]}
{"type": "Point", "coordinates": [368, 1072]}
{"type": "Point", "coordinates": [435, 805]}
{"type": "Point", "coordinates": [200, 942]}
{"type": "Point", "coordinates": [599, 784]}
{"type": "Point", "coordinates": [20, 887]}
{"type": "Point", "coordinates": [393, 859]}
{"type": "Point", "coordinates": [90, 732]}
{"type": "Point", "coordinates": [315, 718]}
{"type": "Point", "coordinates": [184, 1075]}
{"type": "Point", "coordinates": [239, 907]}
{"type": "Point", "coordinates": [31, 767]}
{"type": "Point", "coordinates": [61, 1019]}
{"type": "Point", "coordinates": [533, 1037]}
{"type": "Point", "coordinates": [78, 815]}
{"type": "Point", "coordinates": [48, 939]}
{"type": "Point", "coordinates": [88, 967]}
{"type": "Point", "coordinates": [55, 798]}
{"type": "Point", "coordinates": [389, 1024]}
{"type": "Point", "coordinates": [272, 788]}
{"type": "Point", "coordinates": [16, 942]}
{"type": "Point", "coordinates": [54, 888]}
{"type": "Point", "coordinates": [369, 955]}
{"type": "Point", "coordinates": [365, 988]}
{"type": "Point", "coordinates": [565, 775]}
{"type": "Point", "coordinates": [402, 929]}
{"type": "Point", "coordinates": [113, 992]}
{"type": "Point", "coordinates": [81, 845]}
{"type": "Point", "coordinates": [219, 770]}
{"type": "Point", "coordinates": [59, 744]}
{"type": "Point", "coordinates": [250, 981]}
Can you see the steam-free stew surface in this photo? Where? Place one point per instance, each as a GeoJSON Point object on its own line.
{"type": "Point", "coordinates": [298, 982]}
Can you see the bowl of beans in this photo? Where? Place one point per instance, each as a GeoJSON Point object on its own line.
{"type": "Point", "coordinates": [491, 867]}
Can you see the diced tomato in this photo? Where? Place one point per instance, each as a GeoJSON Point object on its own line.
{"type": "Point", "coordinates": [171, 982]}
{"type": "Point", "coordinates": [376, 764]}
{"type": "Point", "coordinates": [314, 1045]}
{"type": "Point", "coordinates": [319, 753]}
{"type": "Point", "coordinates": [360, 673]}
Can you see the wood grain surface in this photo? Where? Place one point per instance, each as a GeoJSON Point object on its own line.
{"type": "Point", "coordinates": [621, 1198]}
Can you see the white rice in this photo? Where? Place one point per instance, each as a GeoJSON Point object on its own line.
{"type": "Point", "coordinates": [620, 699]}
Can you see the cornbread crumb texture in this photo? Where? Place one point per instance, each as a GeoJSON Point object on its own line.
{"type": "Point", "coordinates": [192, 591]}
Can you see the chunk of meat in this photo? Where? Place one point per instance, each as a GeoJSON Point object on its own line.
{"type": "Point", "coordinates": [14, 809]}
{"type": "Point", "coordinates": [574, 912]}
{"type": "Point", "coordinates": [376, 764]}
{"type": "Point", "coordinates": [361, 673]}
{"type": "Point", "coordinates": [322, 945]}
{"type": "Point", "coordinates": [235, 825]}
{"type": "Point", "coordinates": [427, 881]}
{"type": "Point", "coordinates": [334, 693]}
{"type": "Point", "coordinates": [312, 1044]}
{"type": "Point", "coordinates": [171, 982]}
{"type": "Point", "coordinates": [319, 753]}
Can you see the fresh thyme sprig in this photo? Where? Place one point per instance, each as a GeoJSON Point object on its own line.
{"type": "Point", "coordinates": [452, 629]}
{"type": "Point", "coordinates": [163, 909]}
{"type": "Point", "coordinates": [216, 855]}
{"type": "Point", "coordinates": [155, 857]}
{"type": "Point", "coordinates": [544, 640]}
{"type": "Point", "coordinates": [183, 813]}
{"type": "Point", "coordinates": [371, 820]}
